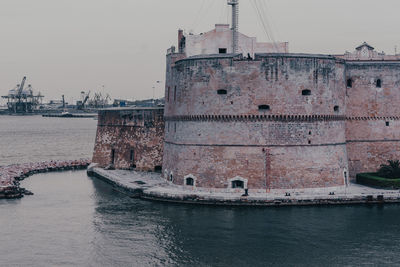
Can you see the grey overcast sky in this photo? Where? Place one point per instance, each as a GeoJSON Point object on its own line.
{"type": "Point", "coordinates": [66, 46]}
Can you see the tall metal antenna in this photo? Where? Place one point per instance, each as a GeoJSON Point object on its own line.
{"type": "Point", "coordinates": [235, 24]}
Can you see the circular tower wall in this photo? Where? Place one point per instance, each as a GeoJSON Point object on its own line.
{"type": "Point", "coordinates": [273, 122]}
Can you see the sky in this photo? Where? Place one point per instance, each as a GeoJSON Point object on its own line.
{"type": "Point", "coordinates": [119, 46]}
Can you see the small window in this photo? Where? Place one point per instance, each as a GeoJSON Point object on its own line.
{"type": "Point", "coordinates": [349, 83]}
{"type": "Point", "coordinates": [189, 181]}
{"type": "Point", "coordinates": [222, 50]}
{"type": "Point", "coordinates": [171, 178]}
{"type": "Point", "coordinates": [309, 133]}
{"type": "Point", "coordinates": [222, 92]}
{"type": "Point", "coordinates": [263, 107]}
{"type": "Point", "coordinates": [387, 123]}
{"type": "Point", "coordinates": [237, 184]}
{"type": "Point", "coordinates": [336, 108]}
{"type": "Point", "coordinates": [378, 83]}
{"type": "Point", "coordinates": [158, 169]}
{"type": "Point", "coordinates": [306, 92]}
{"type": "Point", "coordinates": [309, 142]}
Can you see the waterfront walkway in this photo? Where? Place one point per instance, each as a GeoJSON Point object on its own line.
{"type": "Point", "coordinates": [152, 186]}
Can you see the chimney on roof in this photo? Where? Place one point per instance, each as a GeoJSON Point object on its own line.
{"type": "Point", "coordinates": [181, 41]}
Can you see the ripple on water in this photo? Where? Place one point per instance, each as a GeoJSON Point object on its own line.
{"type": "Point", "coordinates": [73, 220]}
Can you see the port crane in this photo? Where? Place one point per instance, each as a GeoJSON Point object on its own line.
{"type": "Point", "coordinates": [81, 106]}
{"type": "Point", "coordinates": [20, 100]}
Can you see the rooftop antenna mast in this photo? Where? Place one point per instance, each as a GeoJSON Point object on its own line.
{"type": "Point", "coordinates": [235, 24]}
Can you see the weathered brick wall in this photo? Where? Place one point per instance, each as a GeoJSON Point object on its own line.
{"type": "Point", "coordinates": [370, 140]}
{"type": "Point", "coordinates": [135, 134]}
{"type": "Point", "coordinates": [298, 142]}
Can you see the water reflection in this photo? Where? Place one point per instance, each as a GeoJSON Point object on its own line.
{"type": "Point", "coordinates": [76, 220]}
{"type": "Point", "coordinates": [222, 236]}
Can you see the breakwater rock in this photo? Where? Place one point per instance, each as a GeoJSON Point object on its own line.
{"type": "Point", "coordinates": [11, 175]}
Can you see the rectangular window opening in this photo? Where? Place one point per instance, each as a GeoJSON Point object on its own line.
{"type": "Point", "coordinates": [222, 50]}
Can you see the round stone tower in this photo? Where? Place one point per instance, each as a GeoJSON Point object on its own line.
{"type": "Point", "coordinates": [273, 122]}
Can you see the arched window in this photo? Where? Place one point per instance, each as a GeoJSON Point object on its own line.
{"type": "Point", "coordinates": [222, 92]}
{"type": "Point", "coordinates": [263, 107]}
{"type": "Point", "coordinates": [336, 108]}
{"type": "Point", "coordinates": [349, 83]}
{"type": "Point", "coordinates": [171, 177]}
{"type": "Point", "coordinates": [189, 181]}
{"type": "Point", "coordinates": [237, 184]}
{"type": "Point", "coordinates": [306, 92]}
{"type": "Point", "coordinates": [378, 83]}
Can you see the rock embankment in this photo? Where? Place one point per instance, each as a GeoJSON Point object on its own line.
{"type": "Point", "coordinates": [12, 174]}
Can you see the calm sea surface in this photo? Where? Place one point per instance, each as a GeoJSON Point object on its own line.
{"type": "Point", "coordinates": [74, 220]}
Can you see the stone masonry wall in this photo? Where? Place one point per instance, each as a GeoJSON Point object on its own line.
{"type": "Point", "coordinates": [136, 135]}
{"type": "Point", "coordinates": [373, 111]}
{"type": "Point", "coordinates": [296, 139]}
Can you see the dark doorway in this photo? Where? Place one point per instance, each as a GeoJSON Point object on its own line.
{"type": "Point", "coordinates": [112, 156]}
{"type": "Point", "coordinates": [158, 168]}
{"type": "Point", "coordinates": [190, 181]}
{"type": "Point", "coordinates": [379, 83]}
{"type": "Point", "coordinates": [132, 158]}
{"type": "Point", "coordinates": [349, 83]}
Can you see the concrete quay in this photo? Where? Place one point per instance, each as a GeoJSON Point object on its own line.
{"type": "Point", "coordinates": [151, 186]}
{"type": "Point", "coordinates": [11, 175]}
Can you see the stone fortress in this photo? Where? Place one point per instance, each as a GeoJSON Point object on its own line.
{"type": "Point", "coordinates": [243, 114]}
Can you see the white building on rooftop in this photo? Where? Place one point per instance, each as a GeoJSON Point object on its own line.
{"type": "Point", "coordinates": [219, 41]}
